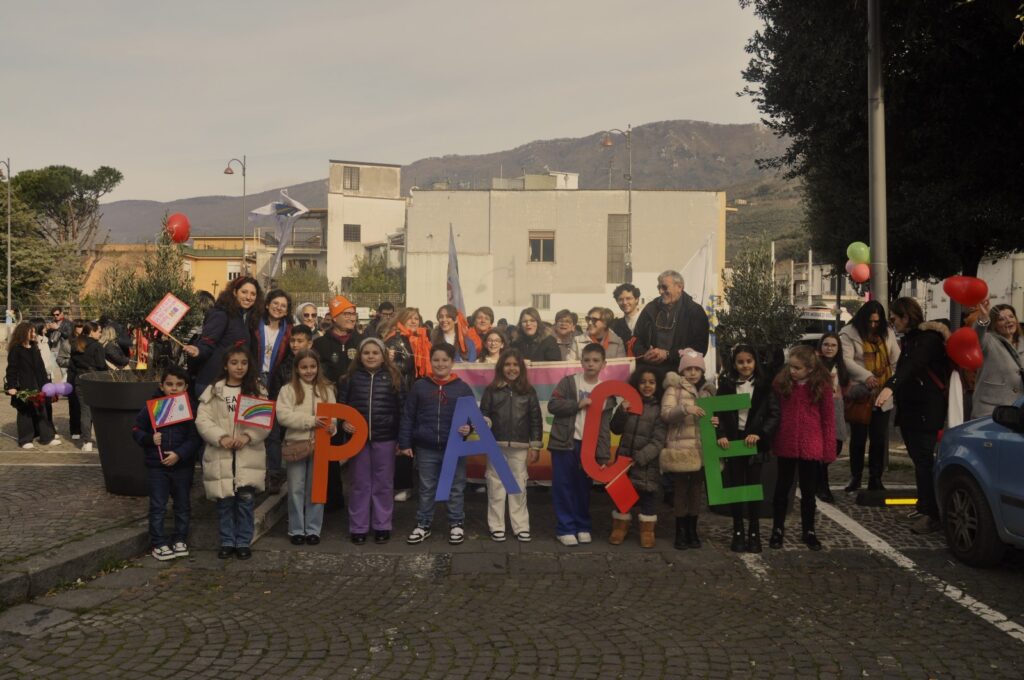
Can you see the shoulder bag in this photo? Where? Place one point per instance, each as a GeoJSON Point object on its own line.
{"type": "Point", "coordinates": [298, 450]}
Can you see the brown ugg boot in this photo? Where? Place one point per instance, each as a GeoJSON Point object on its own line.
{"type": "Point", "coordinates": [620, 526]}
{"type": "Point", "coordinates": [647, 523]}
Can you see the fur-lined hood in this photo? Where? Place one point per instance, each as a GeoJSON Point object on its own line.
{"type": "Point", "coordinates": [937, 326]}
{"type": "Point", "coordinates": [673, 379]}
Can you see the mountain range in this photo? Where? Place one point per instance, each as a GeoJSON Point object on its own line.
{"type": "Point", "coordinates": [678, 154]}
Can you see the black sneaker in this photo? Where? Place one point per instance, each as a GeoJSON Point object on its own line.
{"type": "Point", "coordinates": [738, 543]}
{"type": "Point", "coordinates": [312, 539]}
{"type": "Point", "coordinates": [776, 540]}
{"type": "Point", "coordinates": [381, 536]}
{"type": "Point", "coordinates": [243, 553]}
{"type": "Point", "coordinates": [297, 539]}
{"type": "Point", "coordinates": [358, 539]}
{"type": "Point", "coordinates": [811, 541]}
{"type": "Point", "coordinates": [226, 551]}
{"type": "Point", "coordinates": [754, 543]}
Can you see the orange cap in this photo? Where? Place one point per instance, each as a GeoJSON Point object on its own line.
{"type": "Point", "coordinates": [339, 304]}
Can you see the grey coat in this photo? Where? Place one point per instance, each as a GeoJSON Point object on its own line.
{"type": "Point", "coordinates": [999, 381]}
{"type": "Point", "coordinates": [564, 405]}
{"type": "Point", "coordinates": [643, 438]}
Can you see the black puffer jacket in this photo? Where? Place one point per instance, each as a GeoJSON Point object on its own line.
{"type": "Point", "coordinates": [515, 417]}
{"type": "Point", "coordinates": [921, 380]}
{"type": "Point", "coordinates": [375, 396]}
{"type": "Point", "coordinates": [643, 438]}
{"type": "Point", "coordinates": [541, 346]}
{"type": "Point", "coordinates": [762, 418]}
{"type": "Point", "coordinates": [25, 370]}
{"type": "Point", "coordinates": [89, 359]}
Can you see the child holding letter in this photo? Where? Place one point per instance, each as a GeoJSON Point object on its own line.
{"type": "Point", "coordinates": [235, 462]}
{"type": "Point", "coordinates": [170, 457]}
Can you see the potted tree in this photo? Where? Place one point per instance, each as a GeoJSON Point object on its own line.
{"type": "Point", "coordinates": [116, 396]}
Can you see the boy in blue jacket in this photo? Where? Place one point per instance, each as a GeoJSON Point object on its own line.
{"type": "Point", "coordinates": [426, 421]}
{"type": "Point", "coordinates": [171, 474]}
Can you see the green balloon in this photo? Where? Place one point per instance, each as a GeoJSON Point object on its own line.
{"type": "Point", "coordinates": [859, 252]}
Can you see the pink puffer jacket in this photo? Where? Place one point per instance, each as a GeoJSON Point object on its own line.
{"type": "Point", "coordinates": [807, 429]}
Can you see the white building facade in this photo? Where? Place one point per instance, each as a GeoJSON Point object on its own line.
{"type": "Point", "coordinates": [365, 213]}
{"type": "Point", "coordinates": [555, 249]}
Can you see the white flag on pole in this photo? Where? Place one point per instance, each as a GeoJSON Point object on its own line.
{"type": "Point", "coordinates": [281, 215]}
{"type": "Point", "coordinates": [699, 276]}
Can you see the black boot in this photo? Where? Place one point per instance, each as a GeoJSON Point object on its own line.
{"type": "Point", "coordinates": [875, 484]}
{"type": "Point", "coordinates": [691, 534]}
{"type": "Point", "coordinates": [754, 536]}
{"type": "Point", "coordinates": [738, 542]}
{"type": "Point", "coordinates": [854, 484]}
{"type": "Point", "coordinates": [680, 542]}
{"type": "Point", "coordinates": [776, 540]}
{"type": "Point", "coordinates": [824, 493]}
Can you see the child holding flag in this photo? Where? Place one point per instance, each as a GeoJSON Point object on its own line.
{"type": "Point", "coordinates": [234, 464]}
{"type": "Point", "coordinates": [166, 431]}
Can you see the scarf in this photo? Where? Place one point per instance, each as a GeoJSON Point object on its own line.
{"type": "Point", "coordinates": [475, 338]}
{"type": "Point", "coordinates": [419, 343]}
{"type": "Point", "coordinates": [603, 343]}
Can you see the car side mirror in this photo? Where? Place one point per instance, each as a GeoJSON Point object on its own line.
{"type": "Point", "coordinates": [1009, 417]}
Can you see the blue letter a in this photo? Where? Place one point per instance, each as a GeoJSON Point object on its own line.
{"type": "Point", "coordinates": [466, 411]}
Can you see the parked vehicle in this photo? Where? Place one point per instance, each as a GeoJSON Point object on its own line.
{"type": "Point", "coordinates": [979, 479]}
{"type": "Point", "coordinates": [816, 321]}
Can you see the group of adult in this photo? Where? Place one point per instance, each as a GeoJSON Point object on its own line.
{"type": "Point", "coordinates": [899, 360]}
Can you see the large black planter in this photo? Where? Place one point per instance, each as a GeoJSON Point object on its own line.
{"type": "Point", "coordinates": [114, 406]}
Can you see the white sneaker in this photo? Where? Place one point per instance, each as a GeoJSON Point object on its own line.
{"type": "Point", "coordinates": [568, 540]}
{"type": "Point", "coordinates": [87, 447]}
{"type": "Point", "coordinates": [54, 442]}
{"type": "Point", "coordinates": [456, 534]}
{"type": "Point", "coordinates": [76, 437]}
{"type": "Point", "coordinates": [418, 535]}
{"type": "Point", "coordinates": [583, 537]}
{"type": "Point", "coordinates": [30, 445]}
{"type": "Point", "coordinates": [163, 553]}
{"type": "Point", "coordinates": [180, 549]}
{"type": "Point", "coordinates": [403, 495]}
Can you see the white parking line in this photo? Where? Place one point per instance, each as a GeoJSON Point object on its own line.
{"type": "Point", "coordinates": [49, 464]}
{"type": "Point", "coordinates": [879, 545]}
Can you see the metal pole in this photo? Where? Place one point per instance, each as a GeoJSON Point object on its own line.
{"type": "Point", "coordinates": [876, 159]}
{"type": "Point", "coordinates": [810, 277]}
{"type": "Point", "coordinates": [9, 308]}
{"type": "Point", "coordinates": [245, 260]}
{"type": "Point", "coordinates": [629, 205]}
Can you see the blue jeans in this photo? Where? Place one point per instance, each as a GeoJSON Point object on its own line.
{"type": "Point", "coordinates": [570, 492]}
{"type": "Point", "coordinates": [175, 483]}
{"type": "Point", "coordinates": [273, 446]}
{"type": "Point", "coordinates": [235, 518]}
{"type": "Point", "coordinates": [428, 463]}
{"type": "Point", "coordinates": [304, 517]}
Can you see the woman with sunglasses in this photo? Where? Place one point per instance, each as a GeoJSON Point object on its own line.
{"type": "Point", "coordinates": [305, 314]}
{"type": "Point", "coordinates": [598, 322]}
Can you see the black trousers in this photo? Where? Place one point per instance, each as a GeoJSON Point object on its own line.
{"type": "Point", "coordinates": [741, 472]}
{"type": "Point", "coordinates": [32, 423]}
{"type": "Point", "coordinates": [875, 435]}
{"type": "Point", "coordinates": [921, 449]}
{"type": "Point", "coordinates": [808, 471]}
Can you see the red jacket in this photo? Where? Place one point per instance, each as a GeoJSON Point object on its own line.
{"type": "Point", "coordinates": [807, 429]}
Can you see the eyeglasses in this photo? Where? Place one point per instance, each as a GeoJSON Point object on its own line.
{"type": "Point", "coordinates": [309, 316]}
{"type": "Point", "coordinates": [594, 319]}
{"type": "Point", "coordinates": [348, 314]}
{"type": "Point", "coordinates": [662, 287]}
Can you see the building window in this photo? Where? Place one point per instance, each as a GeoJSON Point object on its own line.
{"type": "Point", "coordinates": [234, 270]}
{"type": "Point", "coordinates": [617, 248]}
{"type": "Point", "coordinates": [350, 181]}
{"type": "Point", "coordinates": [542, 246]}
{"type": "Point", "coordinates": [541, 301]}
{"type": "Point", "coordinates": [347, 282]}
{"type": "Point", "coordinates": [353, 233]}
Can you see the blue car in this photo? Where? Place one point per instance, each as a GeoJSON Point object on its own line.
{"type": "Point", "coordinates": [979, 480]}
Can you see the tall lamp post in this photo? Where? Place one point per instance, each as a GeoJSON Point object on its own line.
{"type": "Point", "coordinates": [607, 141]}
{"type": "Point", "coordinates": [8, 308]}
{"type": "Point", "coordinates": [229, 171]}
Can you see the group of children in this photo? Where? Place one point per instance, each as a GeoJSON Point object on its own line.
{"type": "Point", "coordinates": [791, 416]}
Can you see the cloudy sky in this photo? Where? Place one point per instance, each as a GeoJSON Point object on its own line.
{"type": "Point", "coordinates": [169, 92]}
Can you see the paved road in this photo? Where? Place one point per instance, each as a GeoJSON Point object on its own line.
{"type": "Point", "coordinates": [484, 610]}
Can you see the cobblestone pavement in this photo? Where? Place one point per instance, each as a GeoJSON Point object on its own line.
{"type": "Point", "coordinates": [487, 610]}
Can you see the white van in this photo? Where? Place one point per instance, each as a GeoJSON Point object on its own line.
{"type": "Point", "coordinates": [817, 321]}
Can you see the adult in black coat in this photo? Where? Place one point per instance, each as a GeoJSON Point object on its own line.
{"type": "Point", "coordinates": [338, 346]}
{"type": "Point", "coordinates": [669, 324]}
{"type": "Point", "coordinates": [26, 371]}
{"type": "Point", "coordinates": [627, 297]}
{"type": "Point", "coordinates": [919, 387]}
{"type": "Point", "coordinates": [231, 322]}
{"type": "Point", "coordinates": [87, 356]}
{"type": "Point", "coordinates": [534, 340]}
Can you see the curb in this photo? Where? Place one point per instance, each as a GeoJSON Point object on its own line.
{"type": "Point", "coordinates": [40, 573]}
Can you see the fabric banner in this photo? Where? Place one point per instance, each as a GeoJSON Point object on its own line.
{"type": "Point", "coordinates": [544, 376]}
{"type": "Point", "coordinates": [700, 283]}
{"type": "Point", "coordinates": [281, 215]}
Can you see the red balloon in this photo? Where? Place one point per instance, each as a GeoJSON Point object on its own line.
{"type": "Point", "coordinates": [967, 290]}
{"type": "Point", "coordinates": [860, 273]}
{"type": "Point", "coordinates": [178, 227]}
{"type": "Point", "coordinates": [964, 349]}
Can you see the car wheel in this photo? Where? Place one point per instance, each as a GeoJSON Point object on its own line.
{"type": "Point", "coordinates": [969, 527]}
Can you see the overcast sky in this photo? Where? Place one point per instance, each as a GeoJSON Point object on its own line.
{"type": "Point", "coordinates": [169, 92]}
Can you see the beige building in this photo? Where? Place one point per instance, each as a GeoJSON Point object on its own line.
{"type": "Point", "coordinates": [213, 261]}
{"type": "Point", "coordinates": [365, 213]}
{"type": "Point", "coordinates": [556, 248]}
{"type": "Point", "coordinates": [128, 256]}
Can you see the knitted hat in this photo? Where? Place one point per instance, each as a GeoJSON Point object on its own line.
{"type": "Point", "coordinates": [691, 358]}
{"type": "Point", "coordinates": [374, 341]}
{"type": "Point", "coordinates": [339, 304]}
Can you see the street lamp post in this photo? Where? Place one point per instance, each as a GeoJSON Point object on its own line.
{"type": "Point", "coordinates": [8, 308]}
{"type": "Point", "coordinates": [229, 171]}
{"type": "Point", "coordinates": [607, 141]}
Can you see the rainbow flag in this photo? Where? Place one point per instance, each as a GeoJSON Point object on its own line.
{"type": "Point", "coordinates": [544, 376]}
{"type": "Point", "coordinates": [169, 410]}
{"type": "Point", "coordinates": [255, 411]}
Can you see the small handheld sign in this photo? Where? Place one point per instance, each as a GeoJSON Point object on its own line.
{"type": "Point", "coordinates": [255, 412]}
{"type": "Point", "coordinates": [167, 411]}
{"type": "Point", "coordinates": [167, 314]}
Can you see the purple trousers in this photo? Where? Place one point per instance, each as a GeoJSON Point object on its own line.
{"type": "Point", "coordinates": [372, 479]}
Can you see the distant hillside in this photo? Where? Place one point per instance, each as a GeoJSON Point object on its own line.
{"type": "Point", "coordinates": [679, 154]}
